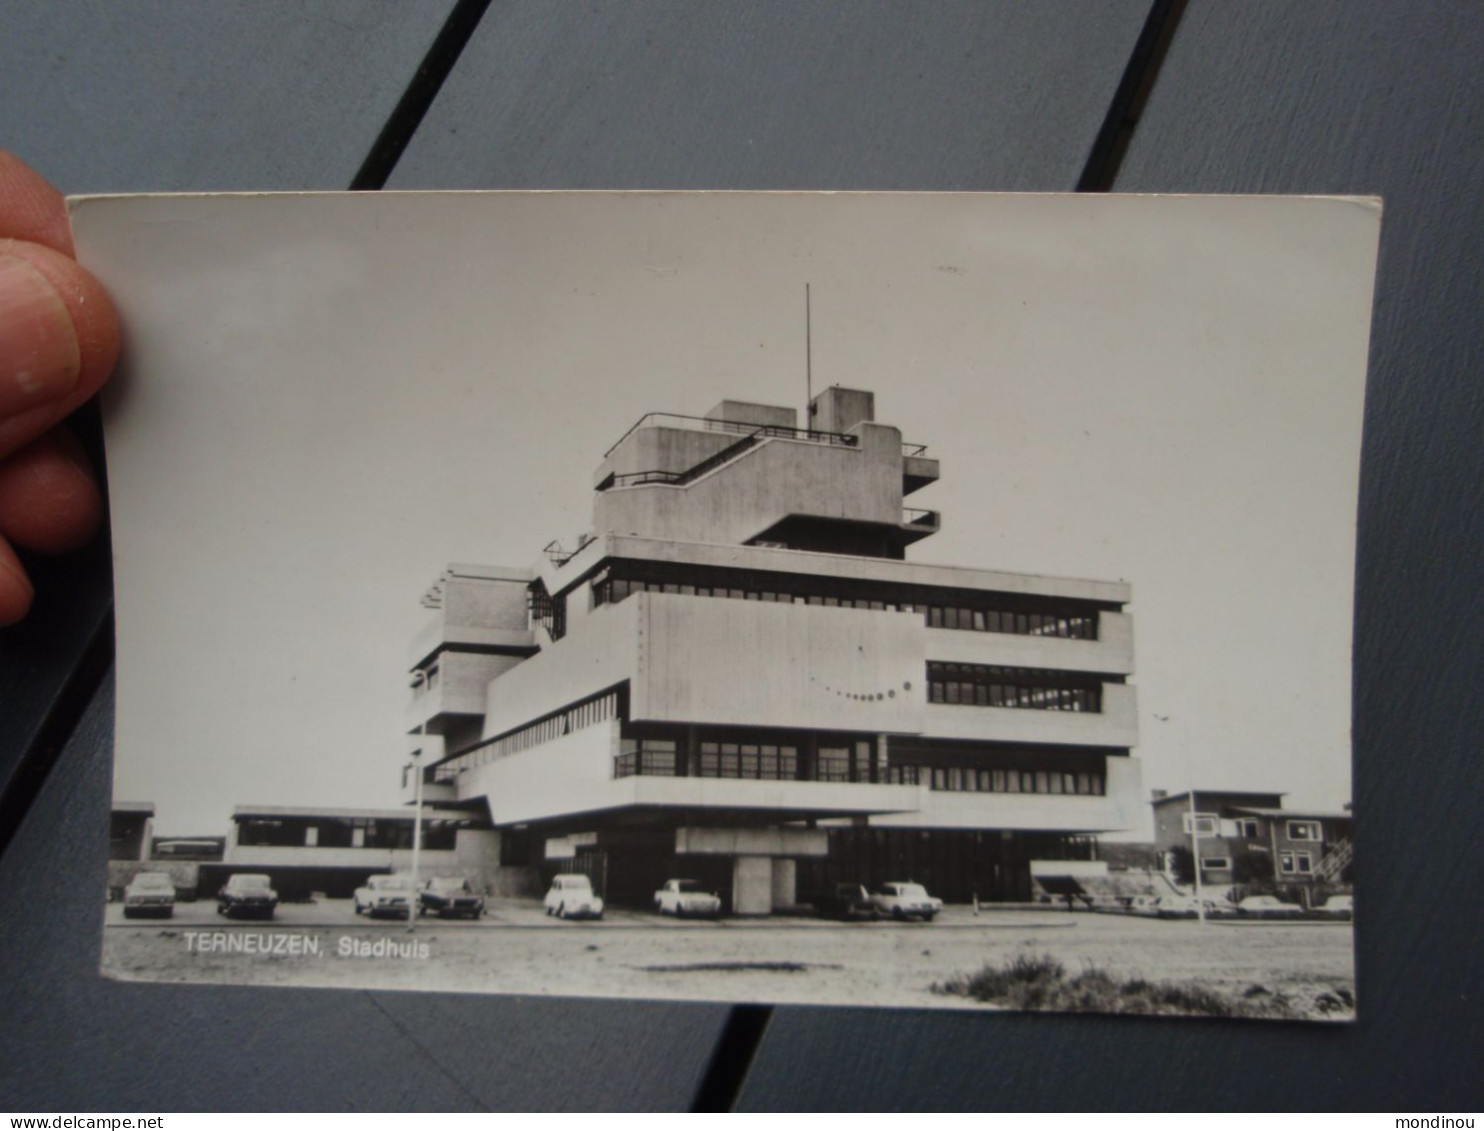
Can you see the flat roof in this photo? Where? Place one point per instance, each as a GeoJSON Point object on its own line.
{"type": "Point", "coordinates": [850, 566]}
{"type": "Point", "coordinates": [405, 814]}
{"type": "Point", "coordinates": [145, 807]}
{"type": "Point", "coordinates": [1220, 793]}
{"type": "Point", "coordinates": [487, 572]}
{"type": "Point", "coordinates": [1312, 814]}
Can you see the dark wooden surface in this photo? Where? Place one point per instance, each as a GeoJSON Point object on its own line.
{"type": "Point", "coordinates": [1295, 97]}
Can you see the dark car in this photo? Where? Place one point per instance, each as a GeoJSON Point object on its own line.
{"type": "Point", "coordinates": [247, 895]}
{"type": "Point", "coordinates": [150, 893]}
{"type": "Point", "coordinates": [846, 901]}
{"type": "Point", "coordinates": [449, 897]}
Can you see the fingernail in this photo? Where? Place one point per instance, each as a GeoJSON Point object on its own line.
{"type": "Point", "coordinates": [39, 360]}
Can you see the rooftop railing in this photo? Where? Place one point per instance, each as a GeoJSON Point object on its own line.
{"type": "Point", "coordinates": [914, 449]}
{"type": "Point", "coordinates": [916, 516]}
{"type": "Point", "coordinates": [741, 427]}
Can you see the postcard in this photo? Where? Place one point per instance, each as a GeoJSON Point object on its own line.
{"type": "Point", "coordinates": [927, 600]}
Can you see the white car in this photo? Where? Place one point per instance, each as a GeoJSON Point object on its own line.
{"type": "Point", "coordinates": [1189, 907]}
{"type": "Point", "coordinates": [386, 895]}
{"type": "Point", "coordinates": [686, 897]}
{"type": "Point", "coordinates": [572, 897]}
{"type": "Point", "coordinates": [1267, 907]}
{"type": "Point", "coordinates": [1338, 907]}
{"type": "Point", "coordinates": [905, 900]}
{"type": "Point", "coordinates": [150, 893]}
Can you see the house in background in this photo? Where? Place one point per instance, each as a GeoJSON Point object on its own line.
{"type": "Point", "coordinates": [1243, 837]}
{"type": "Point", "coordinates": [737, 676]}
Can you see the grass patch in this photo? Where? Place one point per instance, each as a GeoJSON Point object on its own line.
{"type": "Point", "coordinates": [734, 967]}
{"type": "Point", "coordinates": [1041, 983]}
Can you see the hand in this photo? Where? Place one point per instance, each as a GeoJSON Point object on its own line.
{"type": "Point", "coordinates": [59, 340]}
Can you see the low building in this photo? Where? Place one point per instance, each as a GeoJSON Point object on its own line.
{"type": "Point", "coordinates": [333, 851]}
{"type": "Point", "coordinates": [130, 829]}
{"type": "Point", "coordinates": [737, 676]}
{"type": "Point", "coordinates": [1240, 837]}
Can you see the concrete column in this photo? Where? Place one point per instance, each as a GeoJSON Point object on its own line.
{"type": "Point", "coordinates": [752, 885]}
{"type": "Point", "coordinates": [785, 882]}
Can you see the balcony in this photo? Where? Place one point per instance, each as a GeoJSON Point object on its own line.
{"type": "Point", "coordinates": [918, 524]}
{"type": "Point", "coordinates": [918, 471]}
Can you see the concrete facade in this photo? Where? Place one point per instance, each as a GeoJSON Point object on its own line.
{"type": "Point", "coordinates": [737, 676]}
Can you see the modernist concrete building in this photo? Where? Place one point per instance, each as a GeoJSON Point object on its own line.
{"type": "Point", "coordinates": [736, 676]}
{"type": "Point", "coordinates": [1246, 837]}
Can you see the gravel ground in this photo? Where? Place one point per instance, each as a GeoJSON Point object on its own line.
{"type": "Point", "coordinates": [516, 949]}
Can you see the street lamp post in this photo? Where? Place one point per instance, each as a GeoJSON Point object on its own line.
{"type": "Point", "coordinates": [419, 679]}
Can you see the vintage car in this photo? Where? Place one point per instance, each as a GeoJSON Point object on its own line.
{"type": "Point", "coordinates": [686, 897]}
{"type": "Point", "coordinates": [1267, 907]}
{"type": "Point", "coordinates": [1173, 906]}
{"type": "Point", "coordinates": [1337, 907]}
{"type": "Point", "coordinates": [572, 897]}
{"type": "Point", "coordinates": [248, 895]}
{"type": "Point", "coordinates": [449, 897]}
{"type": "Point", "coordinates": [391, 895]}
{"type": "Point", "coordinates": [905, 901]}
{"type": "Point", "coordinates": [846, 901]}
{"type": "Point", "coordinates": [150, 893]}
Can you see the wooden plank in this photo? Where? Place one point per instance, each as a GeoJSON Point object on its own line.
{"type": "Point", "coordinates": [1296, 97]}
{"type": "Point", "coordinates": [775, 95]}
{"type": "Point", "coordinates": [173, 95]}
{"type": "Point", "coordinates": [177, 96]}
{"type": "Point", "coordinates": [79, 1042]}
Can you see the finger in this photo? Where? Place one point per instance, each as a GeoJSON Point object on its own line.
{"type": "Point", "coordinates": [15, 589]}
{"type": "Point", "coordinates": [49, 502]}
{"type": "Point", "coordinates": [30, 208]}
{"type": "Point", "coordinates": [59, 339]}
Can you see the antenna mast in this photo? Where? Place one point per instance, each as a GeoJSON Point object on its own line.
{"type": "Point", "coordinates": [808, 365]}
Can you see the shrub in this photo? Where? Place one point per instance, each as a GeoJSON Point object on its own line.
{"type": "Point", "coordinates": [1041, 983]}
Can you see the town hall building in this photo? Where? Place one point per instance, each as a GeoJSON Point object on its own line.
{"type": "Point", "coordinates": [737, 676]}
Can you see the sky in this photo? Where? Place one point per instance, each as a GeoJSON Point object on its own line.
{"type": "Point", "coordinates": [325, 399]}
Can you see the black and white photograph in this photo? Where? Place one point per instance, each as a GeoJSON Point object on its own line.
{"type": "Point", "coordinates": [936, 601]}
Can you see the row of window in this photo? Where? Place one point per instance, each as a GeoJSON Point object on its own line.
{"type": "Point", "coordinates": [983, 685]}
{"type": "Point", "coordinates": [344, 832]}
{"type": "Point", "coordinates": [651, 757]}
{"type": "Point", "coordinates": [967, 779]}
{"type": "Point", "coordinates": [584, 714]}
{"type": "Point", "coordinates": [1081, 626]}
{"type": "Point", "coordinates": [1289, 863]}
{"type": "Point", "coordinates": [1210, 824]}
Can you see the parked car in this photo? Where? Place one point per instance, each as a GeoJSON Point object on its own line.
{"type": "Point", "coordinates": [392, 895]}
{"type": "Point", "coordinates": [1267, 907]}
{"type": "Point", "coordinates": [150, 894]}
{"type": "Point", "coordinates": [846, 901]}
{"type": "Point", "coordinates": [450, 896]}
{"type": "Point", "coordinates": [572, 897]}
{"type": "Point", "coordinates": [1189, 907]}
{"type": "Point", "coordinates": [906, 900]}
{"type": "Point", "coordinates": [247, 894]}
{"type": "Point", "coordinates": [686, 897]}
{"type": "Point", "coordinates": [1338, 907]}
